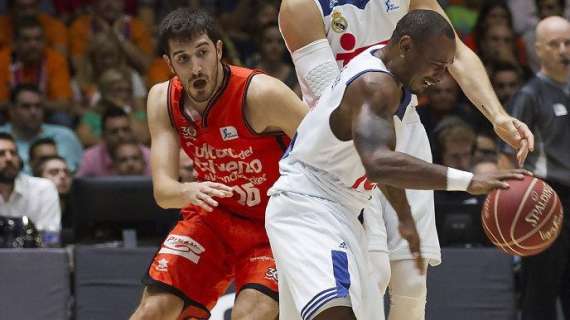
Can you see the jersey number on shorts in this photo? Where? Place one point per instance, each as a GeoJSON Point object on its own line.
{"type": "Point", "coordinates": [248, 194]}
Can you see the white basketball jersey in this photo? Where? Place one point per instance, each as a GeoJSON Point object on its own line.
{"type": "Point", "coordinates": [352, 26]}
{"type": "Point", "coordinates": [319, 164]}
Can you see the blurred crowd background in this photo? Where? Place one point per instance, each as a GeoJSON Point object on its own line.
{"type": "Point", "coordinates": [74, 76]}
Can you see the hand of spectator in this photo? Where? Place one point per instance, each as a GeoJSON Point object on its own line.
{"type": "Point", "coordinates": [202, 193]}
{"type": "Point", "coordinates": [485, 183]}
{"type": "Point", "coordinates": [409, 232]}
{"type": "Point", "coordinates": [516, 134]}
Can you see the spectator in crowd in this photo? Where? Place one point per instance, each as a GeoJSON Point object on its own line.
{"type": "Point", "coordinates": [506, 79]}
{"type": "Point", "coordinates": [116, 91]}
{"type": "Point", "coordinates": [544, 9]}
{"type": "Point", "coordinates": [493, 38]}
{"type": "Point", "coordinates": [41, 148]}
{"type": "Point", "coordinates": [26, 125]}
{"type": "Point", "coordinates": [128, 159]}
{"type": "Point", "coordinates": [443, 100]}
{"type": "Point", "coordinates": [107, 17]}
{"type": "Point", "coordinates": [55, 30]}
{"type": "Point", "coordinates": [31, 62]}
{"type": "Point", "coordinates": [485, 167]}
{"type": "Point", "coordinates": [455, 141]}
{"type": "Point", "coordinates": [543, 104]}
{"type": "Point", "coordinates": [116, 128]}
{"type": "Point", "coordinates": [22, 195]}
{"type": "Point", "coordinates": [271, 57]}
{"type": "Point", "coordinates": [185, 167]}
{"type": "Point", "coordinates": [486, 148]}
{"type": "Point", "coordinates": [104, 54]}
{"type": "Point", "coordinates": [463, 16]}
{"type": "Point", "coordinates": [55, 168]}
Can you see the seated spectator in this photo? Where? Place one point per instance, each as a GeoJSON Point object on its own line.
{"type": "Point", "coordinates": [41, 148]}
{"type": "Point", "coordinates": [31, 62]}
{"type": "Point", "coordinates": [485, 167]}
{"type": "Point", "coordinates": [55, 30]}
{"type": "Point", "coordinates": [116, 129]}
{"type": "Point", "coordinates": [108, 17]}
{"type": "Point", "coordinates": [22, 195]}
{"type": "Point", "coordinates": [185, 168]}
{"type": "Point", "coordinates": [116, 91]}
{"type": "Point", "coordinates": [104, 54]}
{"type": "Point", "coordinates": [26, 125]}
{"type": "Point", "coordinates": [506, 79]}
{"type": "Point", "coordinates": [455, 142]}
{"type": "Point", "coordinates": [493, 38]}
{"type": "Point", "coordinates": [55, 169]}
{"type": "Point", "coordinates": [271, 57]}
{"type": "Point", "coordinates": [486, 148]}
{"type": "Point", "coordinates": [463, 16]}
{"type": "Point", "coordinates": [128, 159]}
{"type": "Point", "coordinates": [443, 100]}
{"type": "Point", "coordinates": [158, 71]}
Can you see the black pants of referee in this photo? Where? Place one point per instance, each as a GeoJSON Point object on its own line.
{"type": "Point", "coordinates": [546, 276]}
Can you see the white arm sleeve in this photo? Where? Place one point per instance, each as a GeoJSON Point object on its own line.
{"type": "Point", "coordinates": [316, 69]}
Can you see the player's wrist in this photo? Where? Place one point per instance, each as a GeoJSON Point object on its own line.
{"type": "Point", "coordinates": [458, 180]}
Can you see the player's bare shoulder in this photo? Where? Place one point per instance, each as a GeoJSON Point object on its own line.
{"type": "Point", "coordinates": [377, 89]}
{"type": "Point", "coordinates": [157, 99]}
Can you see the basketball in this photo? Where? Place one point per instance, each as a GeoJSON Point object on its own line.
{"type": "Point", "coordinates": [523, 220]}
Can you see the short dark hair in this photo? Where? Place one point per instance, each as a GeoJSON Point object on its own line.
{"type": "Point", "coordinates": [26, 22]}
{"type": "Point", "coordinates": [39, 142]}
{"type": "Point", "coordinates": [185, 24]}
{"type": "Point", "coordinates": [112, 112]}
{"type": "Point", "coordinates": [422, 26]}
{"type": "Point", "coordinates": [7, 136]}
{"type": "Point", "coordinates": [505, 66]}
{"type": "Point", "coordinates": [562, 4]}
{"type": "Point", "coordinates": [129, 142]}
{"type": "Point", "coordinates": [39, 166]}
{"type": "Point", "coordinates": [21, 88]}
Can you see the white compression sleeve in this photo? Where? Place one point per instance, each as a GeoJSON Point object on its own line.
{"type": "Point", "coordinates": [316, 69]}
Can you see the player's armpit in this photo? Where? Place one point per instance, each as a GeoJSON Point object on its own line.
{"type": "Point", "coordinates": [273, 107]}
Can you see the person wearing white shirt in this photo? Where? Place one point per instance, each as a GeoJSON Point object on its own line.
{"type": "Point", "coordinates": [22, 195]}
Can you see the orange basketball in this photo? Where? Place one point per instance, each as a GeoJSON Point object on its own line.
{"type": "Point", "coordinates": [523, 220]}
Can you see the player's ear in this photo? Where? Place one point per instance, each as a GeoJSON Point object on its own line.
{"type": "Point", "coordinates": [406, 45]}
{"type": "Point", "coordinates": [219, 48]}
{"type": "Point", "coordinates": [168, 62]}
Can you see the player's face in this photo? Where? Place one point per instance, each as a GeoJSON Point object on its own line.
{"type": "Point", "coordinates": [431, 63]}
{"type": "Point", "coordinates": [198, 65]}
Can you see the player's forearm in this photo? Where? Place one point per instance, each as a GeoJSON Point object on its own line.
{"type": "Point", "coordinates": [470, 74]}
{"type": "Point", "coordinates": [398, 200]}
{"type": "Point", "coordinates": [168, 193]}
{"type": "Point", "coordinates": [406, 172]}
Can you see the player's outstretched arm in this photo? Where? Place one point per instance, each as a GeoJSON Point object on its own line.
{"type": "Point", "coordinates": [373, 98]}
{"type": "Point", "coordinates": [273, 107]}
{"type": "Point", "coordinates": [472, 77]}
{"type": "Point", "coordinates": [168, 192]}
{"type": "Point", "coordinates": [303, 30]}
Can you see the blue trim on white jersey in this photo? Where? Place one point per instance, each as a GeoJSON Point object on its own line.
{"type": "Point", "coordinates": [363, 72]}
{"type": "Point", "coordinates": [404, 104]}
{"type": "Point", "coordinates": [328, 5]}
{"type": "Point", "coordinates": [316, 302]}
{"type": "Point", "coordinates": [341, 275]}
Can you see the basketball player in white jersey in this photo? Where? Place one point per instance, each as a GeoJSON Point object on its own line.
{"type": "Point", "coordinates": [324, 35]}
{"type": "Point", "coordinates": [342, 148]}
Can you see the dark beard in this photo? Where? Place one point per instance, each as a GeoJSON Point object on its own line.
{"type": "Point", "coordinates": [8, 177]}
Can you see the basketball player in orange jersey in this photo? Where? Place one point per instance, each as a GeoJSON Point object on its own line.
{"type": "Point", "coordinates": [323, 36]}
{"type": "Point", "coordinates": [235, 124]}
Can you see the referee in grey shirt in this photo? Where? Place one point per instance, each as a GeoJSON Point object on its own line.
{"type": "Point", "coordinates": [543, 104]}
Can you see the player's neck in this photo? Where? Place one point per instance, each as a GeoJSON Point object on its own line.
{"type": "Point", "coordinates": [389, 57]}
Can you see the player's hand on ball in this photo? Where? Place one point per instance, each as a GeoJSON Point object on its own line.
{"type": "Point", "coordinates": [202, 193]}
{"type": "Point", "coordinates": [485, 183]}
{"type": "Point", "coordinates": [409, 232]}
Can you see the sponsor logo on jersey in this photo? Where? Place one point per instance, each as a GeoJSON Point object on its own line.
{"type": "Point", "coordinates": [162, 265]}
{"type": "Point", "coordinates": [188, 132]}
{"type": "Point", "coordinates": [559, 109]}
{"type": "Point", "coordinates": [229, 133]}
{"type": "Point", "coordinates": [390, 5]}
{"type": "Point", "coordinates": [183, 246]}
{"type": "Point", "coordinates": [271, 274]}
{"type": "Point", "coordinates": [339, 23]}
